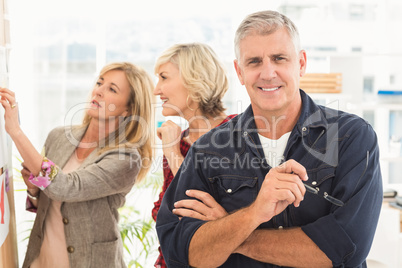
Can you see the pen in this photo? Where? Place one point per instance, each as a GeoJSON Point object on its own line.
{"type": "Point", "coordinates": [331, 199]}
{"type": "Point", "coordinates": [310, 189]}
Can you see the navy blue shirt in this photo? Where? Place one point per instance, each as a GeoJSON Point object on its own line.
{"type": "Point", "coordinates": [341, 156]}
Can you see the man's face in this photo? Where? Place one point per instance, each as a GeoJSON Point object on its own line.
{"type": "Point", "coordinates": [270, 69]}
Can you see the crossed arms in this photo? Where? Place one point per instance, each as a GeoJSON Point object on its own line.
{"type": "Point", "coordinates": [225, 234]}
{"type": "Point", "coordinates": [325, 236]}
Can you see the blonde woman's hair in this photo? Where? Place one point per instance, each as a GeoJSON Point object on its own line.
{"type": "Point", "coordinates": [136, 129]}
{"type": "Point", "coordinates": [202, 73]}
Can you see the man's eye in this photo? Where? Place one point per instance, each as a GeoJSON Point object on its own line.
{"type": "Point", "coordinates": [255, 61]}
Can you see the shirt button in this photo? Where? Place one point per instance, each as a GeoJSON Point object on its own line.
{"type": "Point", "coordinates": [229, 191]}
{"type": "Point", "coordinates": [70, 249]}
{"type": "Point", "coordinates": [314, 183]}
{"type": "Point", "coordinates": [245, 133]}
{"type": "Point", "coordinates": [304, 129]}
{"type": "Point", "coordinates": [65, 220]}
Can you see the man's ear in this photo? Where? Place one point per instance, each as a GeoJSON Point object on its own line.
{"type": "Point", "coordinates": [302, 62]}
{"type": "Point", "coordinates": [238, 71]}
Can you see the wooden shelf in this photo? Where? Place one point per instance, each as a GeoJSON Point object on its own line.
{"type": "Point", "coordinates": [321, 82]}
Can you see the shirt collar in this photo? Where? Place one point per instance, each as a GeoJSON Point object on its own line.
{"type": "Point", "coordinates": [312, 116]}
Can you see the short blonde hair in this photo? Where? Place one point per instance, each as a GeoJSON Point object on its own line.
{"type": "Point", "coordinates": [202, 73]}
{"type": "Point", "coordinates": [138, 129]}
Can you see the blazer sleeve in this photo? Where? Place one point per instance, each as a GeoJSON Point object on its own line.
{"type": "Point", "coordinates": [112, 172]}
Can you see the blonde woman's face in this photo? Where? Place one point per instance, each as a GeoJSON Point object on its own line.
{"type": "Point", "coordinates": [110, 96]}
{"type": "Point", "coordinates": [171, 90]}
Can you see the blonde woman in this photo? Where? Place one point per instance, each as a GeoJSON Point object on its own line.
{"type": "Point", "coordinates": [191, 84]}
{"type": "Point", "coordinates": [87, 171]}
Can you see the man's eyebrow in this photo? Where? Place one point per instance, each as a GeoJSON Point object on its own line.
{"type": "Point", "coordinates": [252, 58]}
{"type": "Point", "coordinates": [278, 55]}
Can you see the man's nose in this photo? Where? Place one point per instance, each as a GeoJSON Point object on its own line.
{"type": "Point", "coordinates": [268, 70]}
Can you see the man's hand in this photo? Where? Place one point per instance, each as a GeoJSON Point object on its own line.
{"type": "Point", "coordinates": [204, 208]}
{"type": "Point", "coordinates": [282, 186]}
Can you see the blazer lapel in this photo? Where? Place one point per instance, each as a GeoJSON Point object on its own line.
{"type": "Point", "coordinates": [66, 142]}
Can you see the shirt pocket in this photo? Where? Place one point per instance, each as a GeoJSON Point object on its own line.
{"type": "Point", "coordinates": [314, 206]}
{"type": "Point", "coordinates": [321, 178]}
{"type": "Point", "coordinates": [234, 191]}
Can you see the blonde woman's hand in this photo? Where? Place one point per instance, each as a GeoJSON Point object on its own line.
{"type": "Point", "coordinates": [169, 133]}
{"type": "Point", "coordinates": [8, 101]}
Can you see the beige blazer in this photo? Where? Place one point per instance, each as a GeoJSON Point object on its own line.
{"type": "Point", "coordinates": [90, 198]}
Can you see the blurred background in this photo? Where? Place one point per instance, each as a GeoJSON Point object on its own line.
{"type": "Point", "coordinates": [58, 48]}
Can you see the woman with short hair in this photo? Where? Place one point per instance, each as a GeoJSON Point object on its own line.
{"type": "Point", "coordinates": [192, 82]}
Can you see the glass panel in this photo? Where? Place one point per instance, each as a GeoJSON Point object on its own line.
{"type": "Point", "coordinates": [369, 116]}
{"type": "Point", "coordinates": [395, 133]}
{"type": "Point", "coordinates": [395, 176]}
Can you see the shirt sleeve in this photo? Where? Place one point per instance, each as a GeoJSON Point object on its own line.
{"type": "Point", "coordinates": [112, 172]}
{"type": "Point", "coordinates": [174, 234]}
{"type": "Point", "coordinates": [346, 234]}
{"type": "Point", "coordinates": [167, 179]}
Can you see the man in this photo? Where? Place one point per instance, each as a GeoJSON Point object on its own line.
{"type": "Point", "coordinates": [258, 166]}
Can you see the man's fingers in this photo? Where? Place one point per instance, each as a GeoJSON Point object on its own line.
{"type": "Point", "coordinates": [285, 187]}
{"type": "Point", "coordinates": [190, 208]}
{"type": "Point", "coordinates": [192, 204]}
{"type": "Point", "coordinates": [291, 181]}
{"type": "Point", "coordinates": [291, 166]}
{"type": "Point", "coordinates": [183, 212]}
{"type": "Point", "coordinates": [204, 197]}
{"type": "Point", "coordinates": [199, 208]}
{"type": "Point", "coordinates": [290, 191]}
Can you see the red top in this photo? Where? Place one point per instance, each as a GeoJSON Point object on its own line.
{"type": "Point", "coordinates": [168, 177]}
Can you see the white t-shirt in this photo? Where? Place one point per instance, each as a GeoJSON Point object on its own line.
{"type": "Point", "coordinates": [274, 149]}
